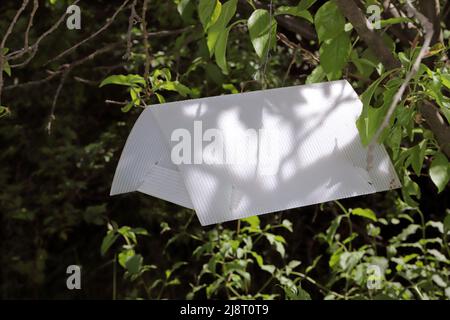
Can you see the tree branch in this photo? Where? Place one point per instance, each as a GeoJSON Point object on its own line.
{"type": "Point", "coordinates": [3, 58]}
{"type": "Point", "coordinates": [432, 10]}
{"type": "Point", "coordinates": [145, 40]}
{"type": "Point", "coordinates": [367, 33]}
{"type": "Point", "coordinates": [131, 22]}
{"type": "Point", "coordinates": [30, 23]}
{"type": "Point", "coordinates": [436, 123]}
{"type": "Point", "coordinates": [34, 48]}
{"type": "Point", "coordinates": [401, 31]}
{"type": "Point", "coordinates": [65, 73]}
{"type": "Point", "coordinates": [109, 21]}
{"type": "Point", "coordinates": [13, 23]}
{"type": "Point", "coordinates": [428, 29]}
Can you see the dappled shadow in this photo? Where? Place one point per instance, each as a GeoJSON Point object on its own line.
{"type": "Point", "coordinates": [319, 156]}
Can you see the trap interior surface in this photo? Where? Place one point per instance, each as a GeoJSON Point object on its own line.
{"type": "Point", "coordinates": [253, 153]}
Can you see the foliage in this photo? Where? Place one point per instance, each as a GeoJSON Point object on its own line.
{"type": "Point", "coordinates": [54, 202]}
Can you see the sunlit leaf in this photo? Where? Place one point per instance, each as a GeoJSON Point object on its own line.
{"type": "Point", "coordinates": [440, 171]}
{"type": "Point", "coordinates": [262, 29]}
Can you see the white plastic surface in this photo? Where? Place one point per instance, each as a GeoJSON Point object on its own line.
{"type": "Point", "coordinates": [318, 155]}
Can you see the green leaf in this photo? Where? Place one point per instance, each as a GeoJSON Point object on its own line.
{"type": "Point", "coordinates": [258, 258]}
{"type": "Point", "coordinates": [213, 287]}
{"type": "Point", "coordinates": [366, 97]}
{"type": "Point", "coordinates": [134, 264]}
{"type": "Point", "coordinates": [186, 9]}
{"type": "Point", "coordinates": [262, 29]}
{"type": "Point", "coordinates": [108, 241]}
{"type": "Point", "coordinates": [276, 241]}
{"type": "Point", "coordinates": [124, 256]}
{"type": "Point", "coordinates": [334, 55]}
{"type": "Point", "coordinates": [348, 260]}
{"type": "Point", "coordinates": [295, 11]}
{"type": "Point", "coordinates": [332, 229]}
{"type": "Point", "coordinates": [226, 14]}
{"type": "Point", "coordinates": [296, 293]}
{"type": "Point", "coordinates": [406, 232]}
{"type": "Point", "coordinates": [209, 12]}
{"type": "Point", "coordinates": [316, 76]}
{"type": "Point", "coordinates": [410, 188]}
{"type": "Point", "coordinates": [366, 213]}
{"type": "Point", "coordinates": [3, 111]}
{"type": "Point", "coordinates": [329, 21]}
{"type": "Point", "coordinates": [447, 223]}
{"type": "Point", "coordinates": [230, 87]}
{"type": "Point", "coordinates": [7, 68]}
{"type": "Point", "coordinates": [438, 255]}
{"type": "Point", "coordinates": [174, 268]}
{"type": "Point", "coordinates": [417, 157]}
{"type": "Point", "coordinates": [268, 268]}
{"type": "Point", "coordinates": [130, 80]}
{"type": "Point", "coordinates": [214, 73]}
{"type": "Point", "coordinates": [164, 73]}
{"type": "Point", "coordinates": [439, 281]}
{"type": "Point", "coordinates": [445, 79]}
{"type": "Point", "coordinates": [127, 107]}
{"type": "Point", "coordinates": [160, 98]}
{"type": "Point", "coordinates": [135, 96]}
{"type": "Point", "coordinates": [334, 259]}
{"type": "Point", "coordinates": [287, 224]}
{"type": "Point", "coordinates": [365, 123]}
{"type": "Point", "coordinates": [397, 20]}
{"type": "Point", "coordinates": [220, 50]}
{"type": "Point", "coordinates": [182, 89]}
{"type": "Point", "coordinates": [253, 221]}
{"type": "Point", "coordinates": [305, 4]}
{"type": "Point", "coordinates": [313, 265]}
{"type": "Point", "coordinates": [139, 231]}
{"type": "Point", "coordinates": [440, 171]}
{"type": "Point", "coordinates": [175, 86]}
{"type": "Point", "coordinates": [395, 140]}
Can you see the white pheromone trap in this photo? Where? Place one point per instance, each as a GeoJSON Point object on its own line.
{"type": "Point", "coordinates": [234, 156]}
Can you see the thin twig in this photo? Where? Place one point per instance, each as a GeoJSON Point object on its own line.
{"type": "Point", "coordinates": [4, 59]}
{"type": "Point", "coordinates": [55, 100]}
{"type": "Point", "coordinates": [30, 23]}
{"type": "Point", "coordinates": [294, 56]}
{"type": "Point", "coordinates": [34, 48]}
{"type": "Point", "coordinates": [146, 45]}
{"type": "Point", "coordinates": [120, 103]}
{"type": "Point", "coordinates": [32, 83]}
{"type": "Point", "coordinates": [282, 37]}
{"type": "Point", "coordinates": [67, 70]}
{"type": "Point", "coordinates": [86, 81]}
{"type": "Point", "coordinates": [428, 29]}
{"type": "Point", "coordinates": [13, 23]}
{"type": "Point", "coordinates": [365, 30]}
{"type": "Point", "coordinates": [92, 36]}
{"type": "Point", "coordinates": [53, 74]}
{"type": "Point", "coordinates": [166, 33]}
{"type": "Point", "coordinates": [131, 22]}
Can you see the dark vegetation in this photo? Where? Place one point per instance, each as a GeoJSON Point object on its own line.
{"type": "Point", "coordinates": [61, 135]}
